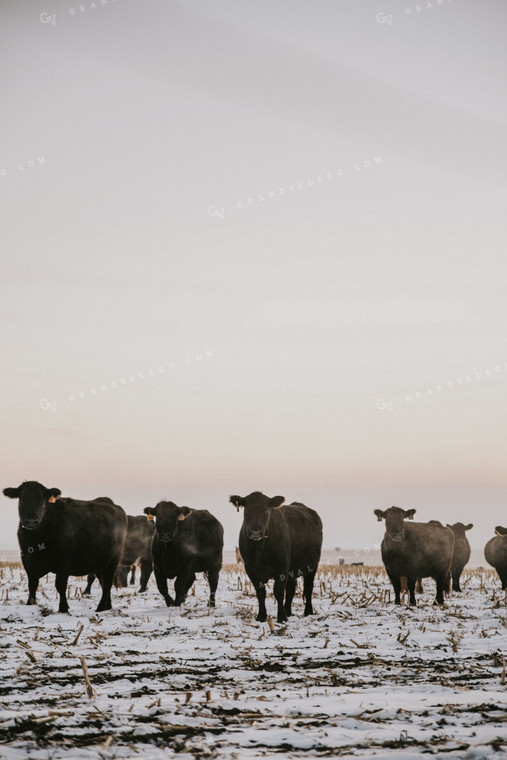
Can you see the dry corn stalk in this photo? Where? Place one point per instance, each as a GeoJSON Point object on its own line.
{"type": "Point", "coordinates": [90, 691]}
{"type": "Point", "coordinates": [78, 634]}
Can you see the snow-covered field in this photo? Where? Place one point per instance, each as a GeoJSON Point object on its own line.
{"type": "Point", "coordinates": [360, 678]}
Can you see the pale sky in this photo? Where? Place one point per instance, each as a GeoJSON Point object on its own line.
{"type": "Point", "coordinates": [287, 335]}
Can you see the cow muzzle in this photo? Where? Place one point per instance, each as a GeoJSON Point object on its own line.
{"type": "Point", "coordinates": [256, 535]}
{"type": "Point", "coordinates": [397, 537]}
{"type": "Point", "coordinates": [30, 524]}
{"type": "Point", "coordinates": [166, 538]}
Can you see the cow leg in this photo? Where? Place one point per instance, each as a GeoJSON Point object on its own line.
{"type": "Point", "coordinates": [411, 581]}
{"type": "Point", "coordinates": [182, 584]}
{"type": "Point", "coordinates": [279, 592]}
{"type": "Point", "coordinates": [441, 579]}
{"type": "Point", "coordinates": [213, 583]}
{"type": "Point", "coordinates": [455, 580]}
{"type": "Point", "coordinates": [503, 580]}
{"type": "Point", "coordinates": [33, 583]}
{"type": "Point", "coordinates": [146, 570]}
{"type": "Point", "coordinates": [89, 583]}
{"type": "Point", "coordinates": [260, 590]}
{"type": "Point", "coordinates": [122, 576]}
{"type": "Point", "coordinates": [397, 588]}
{"type": "Point", "coordinates": [106, 580]}
{"type": "Point", "coordinates": [162, 586]}
{"type": "Point", "coordinates": [308, 591]}
{"type": "Point", "coordinates": [133, 576]}
{"type": "Point", "coordinates": [289, 595]}
{"type": "Point", "coordinates": [61, 587]}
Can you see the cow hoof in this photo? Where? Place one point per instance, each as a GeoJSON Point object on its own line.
{"type": "Point", "coordinates": [261, 618]}
{"type": "Point", "coordinates": [212, 603]}
{"type": "Point", "coordinates": [64, 611]}
{"type": "Point", "coordinates": [142, 590]}
{"type": "Point", "coordinates": [103, 608]}
{"type": "Point", "coordinates": [31, 601]}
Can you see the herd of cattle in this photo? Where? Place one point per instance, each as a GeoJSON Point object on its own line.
{"type": "Point", "coordinates": [277, 541]}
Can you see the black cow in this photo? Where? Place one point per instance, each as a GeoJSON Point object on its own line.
{"type": "Point", "coordinates": [279, 541]}
{"type": "Point", "coordinates": [495, 553]}
{"type": "Point", "coordinates": [137, 546]}
{"type": "Point", "coordinates": [68, 537]}
{"type": "Point", "coordinates": [417, 550]}
{"type": "Point", "coordinates": [186, 541]}
{"type": "Point", "coordinates": [461, 553]}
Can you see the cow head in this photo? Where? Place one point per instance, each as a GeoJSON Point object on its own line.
{"type": "Point", "coordinates": [395, 521]}
{"type": "Point", "coordinates": [33, 499]}
{"type": "Point", "coordinates": [167, 517]}
{"type": "Point", "coordinates": [257, 513]}
{"type": "Point", "coordinates": [500, 531]}
{"type": "Point", "coordinates": [459, 531]}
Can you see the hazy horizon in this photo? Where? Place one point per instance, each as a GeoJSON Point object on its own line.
{"type": "Point", "coordinates": [256, 247]}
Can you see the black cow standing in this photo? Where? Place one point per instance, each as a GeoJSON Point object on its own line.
{"type": "Point", "coordinates": [495, 553]}
{"type": "Point", "coordinates": [137, 546]}
{"type": "Point", "coordinates": [186, 541]}
{"type": "Point", "coordinates": [68, 537]}
{"type": "Point", "coordinates": [279, 541]}
{"type": "Point", "coordinates": [461, 553]}
{"type": "Point", "coordinates": [417, 550]}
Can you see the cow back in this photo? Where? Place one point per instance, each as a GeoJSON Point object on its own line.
{"type": "Point", "coordinates": [198, 540]}
{"type": "Point", "coordinates": [305, 534]}
{"type": "Point", "coordinates": [78, 537]}
{"type": "Point", "coordinates": [425, 550]}
{"type": "Point", "coordinates": [495, 552]}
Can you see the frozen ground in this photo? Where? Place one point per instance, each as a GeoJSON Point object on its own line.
{"type": "Point", "coordinates": [360, 678]}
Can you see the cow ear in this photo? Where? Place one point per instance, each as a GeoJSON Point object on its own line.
{"type": "Point", "coordinates": [238, 501]}
{"type": "Point", "coordinates": [409, 513]}
{"type": "Point", "coordinates": [184, 513]}
{"type": "Point", "coordinates": [500, 531]}
{"type": "Point", "coordinates": [11, 493]}
{"type": "Point", "coordinates": [51, 494]}
{"type": "Point", "coordinates": [150, 511]}
{"type": "Point", "coordinates": [380, 514]}
{"type": "Point", "coordinates": [448, 526]}
{"type": "Point", "coordinates": [469, 526]}
{"type": "Point", "coordinates": [276, 502]}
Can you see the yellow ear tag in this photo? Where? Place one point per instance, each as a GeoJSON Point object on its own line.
{"type": "Point", "coordinates": [52, 499]}
{"type": "Point", "coordinates": [150, 517]}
